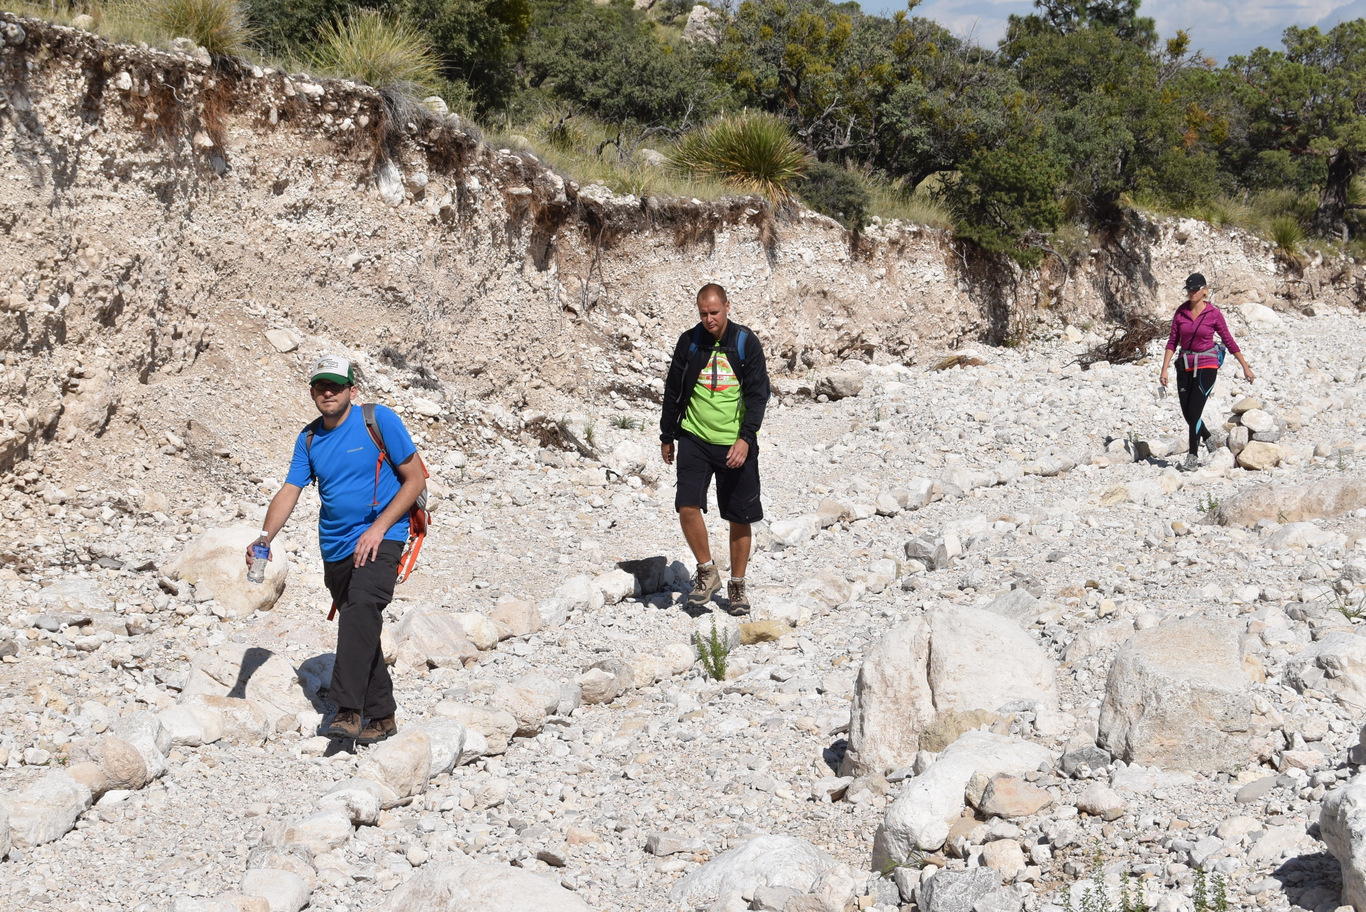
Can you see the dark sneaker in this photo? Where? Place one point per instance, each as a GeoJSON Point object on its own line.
{"type": "Point", "coordinates": [345, 726]}
{"type": "Point", "coordinates": [377, 730]}
{"type": "Point", "coordinates": [707, 584]}
{"type": "Point", "coordinates": [739, 602]}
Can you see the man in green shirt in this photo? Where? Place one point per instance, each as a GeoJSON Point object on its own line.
{"type": "Point", "coordinates": [714, 400]}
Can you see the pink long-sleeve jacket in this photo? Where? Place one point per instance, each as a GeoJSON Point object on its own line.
{"type": "Point", "coordinates": [1196, 336]}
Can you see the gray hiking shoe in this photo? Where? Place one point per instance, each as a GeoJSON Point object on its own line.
{"type": "Point", "coordinates": [706, 584]}
{"type": "Point", "coordinates": [739, 601]}
{"type": "Point", "coordinates": [1191, 464]}
{"type": "Point", "coordinates": [1214, 441]}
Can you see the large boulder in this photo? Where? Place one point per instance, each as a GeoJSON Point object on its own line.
{"type": "Point", "coordinates": [841, 384]}
{"type": "Point", "coordinates": [1322, 498]}
{"type": "Point", "coordinates": [214, 564]}
{"type": "Point", "coordinates": [434, 637]}
{"type": "Point", "coordinates": [957, 661]}
{"type": "Point", "coordinates": [920, 817]}
{"type": "Point", "coordinates": [1335, 665]}
{"type": "Point", "coordinates": [447, 738]}
{"type": "Point", "coordinates": [47, 809]}
{"type": "Point", "coordinates": [1177, 698]}
{"type": "Point", "coordinates": [249, 672]}
{"type": "Point", "coordinates": [1342, 823]}
{"type": "Point", "coordinates": [765, 861]}
{"type": "Point", "coordinates": [285, 891]}
{"type": "Point", "coordinates": [517, 617]}
{"type": "Point", "coordinates": [981, 660]}
{"type": "Point", "coordinates": [479, 887]}
{"type": "Point", "coordinates": [360, 800]}
{"type": "Point", "coordinates": [403, 763]}
{"type": "Point", "coordinates": [241, 720]}
{"type": "Point", "coordinates": [321, 831]}
{"type": "Point", "coordinates": [497, 726]}
{"type": "Point", "coordinates": [892, 701]}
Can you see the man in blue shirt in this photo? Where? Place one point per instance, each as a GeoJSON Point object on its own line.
{"type": "Point", "coordinates": [362, 526]}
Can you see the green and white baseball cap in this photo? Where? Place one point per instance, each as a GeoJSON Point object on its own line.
{"type": "Point", "coordinates": [334, 368]}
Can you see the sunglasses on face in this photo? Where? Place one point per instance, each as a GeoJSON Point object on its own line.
{"type": "Point", "coordinates": [323, 387]}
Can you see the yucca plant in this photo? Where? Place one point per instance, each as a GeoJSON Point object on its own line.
{"type": "Point", "coordinates": [749, 152]}
{"type": "Point", "coordinates": [381, 51]}
{"type": "Point", "coordinates": [218, 26]}
{"type": "Point", "coordinates": [1287, 234]}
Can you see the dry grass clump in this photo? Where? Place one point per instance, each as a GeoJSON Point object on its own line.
{"type": "Point", "coordinates": [220, 27]}
{"type": "Point", "coordinates": [387, 53]}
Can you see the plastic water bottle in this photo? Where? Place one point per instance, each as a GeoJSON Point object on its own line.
{"type": "Point", "coordinates": [260, 554]}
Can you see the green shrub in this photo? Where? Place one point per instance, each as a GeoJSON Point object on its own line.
{"type": "Point", "coordinates": [836, 192]}
{"type": "Point", "coordinates": [384, 52]}
{"type": "Point", "coordinates": [218, 26]}
{"type": "Point", "coordinates": [1288, 235]}
{"type": "Point", "coordinates": [714, 651]}
{"type": "Point", "coordinates": [752, 153]}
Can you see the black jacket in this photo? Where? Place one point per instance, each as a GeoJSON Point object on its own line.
{"type": "Point", "coordinates": [683, 371]}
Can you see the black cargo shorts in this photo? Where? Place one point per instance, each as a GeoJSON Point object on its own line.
{"type": "Point", "coordinates": [737, 490]}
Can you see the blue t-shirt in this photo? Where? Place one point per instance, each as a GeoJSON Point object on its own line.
{"type": "Point", "coordinates": [343, 462]}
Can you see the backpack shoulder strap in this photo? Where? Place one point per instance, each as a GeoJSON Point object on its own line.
{"type": "Point", "coordinates": [309, 432]}
{"type": "Point", "coordinates": [367, 410]}
{"type": "Point", "coordinates": [696, 341]}
{"type": "Point", "coordinates": [740, 346]}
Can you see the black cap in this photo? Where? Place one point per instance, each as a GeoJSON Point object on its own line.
{"type": "Point", "coordinates": [1195, 281]}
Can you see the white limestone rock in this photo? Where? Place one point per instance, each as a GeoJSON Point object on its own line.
{"type": "Point", "coordinates": [981, 660]}
{"type": "Point", "coordinates": [359, 799]}
{"type": "Point", "coordinates": [403, 763]}
{"type": "Point", "coordinates": [1177, 697]}
{"type": "Point", "coordinates": [892, 701]}
{"type": "Point", "coordinates": [321, 831]}
{"type": "Point", "coordinates": [765, 861]}
{"type": "Point", "coordinates": [47, 809]}
{"type": "Point", "coordinates": [285, 891]}
{"type": "Point", "coordinates": [920, 817]}
{"type": "Point", "coordinates": [215, 562]}
{"type": "Point", "coordinates": [438, 637]}
{"type": "Point", "coordinates": [480, 887]}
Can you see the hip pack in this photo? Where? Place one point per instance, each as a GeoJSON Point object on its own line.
{"type": "Point", "coordinates": [1191, 360]}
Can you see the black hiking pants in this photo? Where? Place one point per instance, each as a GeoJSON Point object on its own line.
{"type": "Point", "coordinates": [1193, 389]}
{"type": "Point", "coordinates": [360, 679]}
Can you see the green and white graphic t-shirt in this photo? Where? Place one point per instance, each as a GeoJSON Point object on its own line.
{"type": "Point", "coordinates": [717, 407]}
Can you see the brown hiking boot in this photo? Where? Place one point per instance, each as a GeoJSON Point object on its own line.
{"type": "Point", "coordinates": [345, 726]}
{"type": "Point", "coordinates": [377, 730]}
{"type": "Point", "coordinates": [739, 602]}
{"type": "Point", "coordinates": [706, 584]}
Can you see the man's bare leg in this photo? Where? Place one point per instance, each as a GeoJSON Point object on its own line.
{"type": "Point", "coordinates": [739, 549]}
{"type": "Point", "coordinates": [695, 532]}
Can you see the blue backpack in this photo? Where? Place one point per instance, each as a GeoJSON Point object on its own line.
{"type": "Point", "coordinates": [739, 346]}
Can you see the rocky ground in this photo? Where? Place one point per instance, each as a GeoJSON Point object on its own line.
{"type": "Point", "coordinates": [566, 731]}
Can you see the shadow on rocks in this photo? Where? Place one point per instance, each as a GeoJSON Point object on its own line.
{"type": "Point", "coordinates": [252, 659]}
{"type": "Point", "coordinates": [1311, 881]}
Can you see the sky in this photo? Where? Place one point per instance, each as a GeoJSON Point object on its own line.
{"type": "Point", "coordinates": [1218, 27]}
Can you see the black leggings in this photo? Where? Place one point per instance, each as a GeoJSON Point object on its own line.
{"type": "Point", "coordinates": [1193, 388]}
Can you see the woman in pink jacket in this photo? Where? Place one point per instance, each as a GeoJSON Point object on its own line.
{"type": "Point", "coordinates": [1194, 326]}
